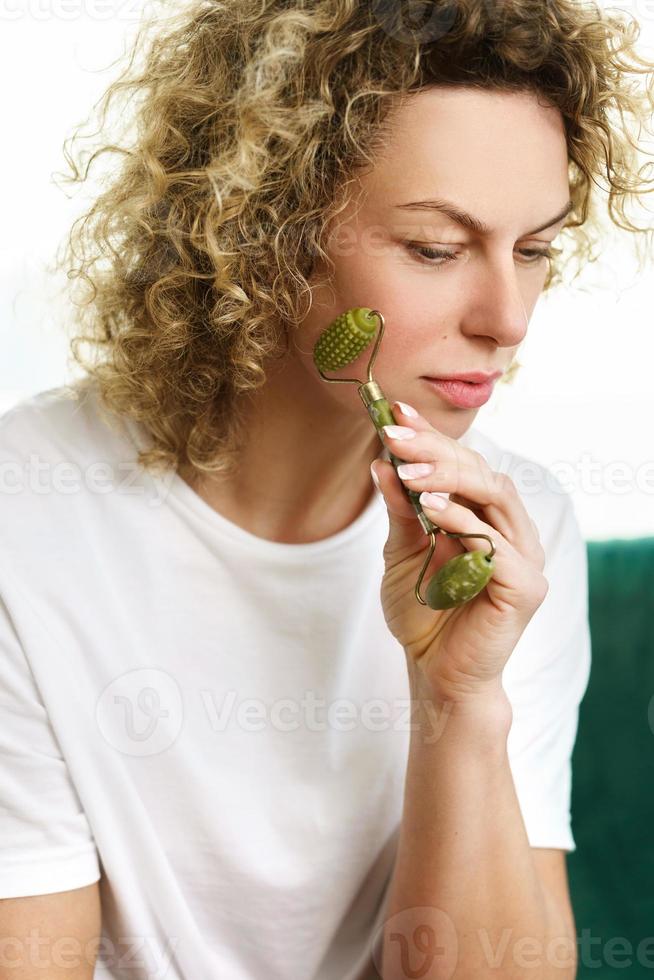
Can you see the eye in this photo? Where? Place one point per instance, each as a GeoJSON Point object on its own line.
{"type": "Point", "coordinates": [436, 257]}
{"type": "Point", "coordinates": [428, 255]}
{"type": "Point", "coordinates": [534, 254]}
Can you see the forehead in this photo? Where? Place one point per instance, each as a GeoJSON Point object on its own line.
{"type": "Point", "coordinates": [493, 152]}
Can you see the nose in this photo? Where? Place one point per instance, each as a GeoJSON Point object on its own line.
{"type": "Point", "coordinates": [496, 304]}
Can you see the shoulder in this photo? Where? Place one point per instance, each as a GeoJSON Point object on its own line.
{"type": "Point", "coordinates": [67, 422]}
{"type": "Point", "coordinates": [554, 649]}
{"type": "Point", "coordinates": [544, 497]}
{"type": "Point", "coordinates": [63, 462]}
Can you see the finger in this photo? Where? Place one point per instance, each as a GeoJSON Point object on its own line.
{"type": "Point", "coordinates": [516, 526]}
{"type": "Point", "coordinates": [533, 550]}
{"type": "Point", "coordinates": [390, 486]}
{"type": "Point", "coordinates": [469, 476]}
{"type": "Point", "coordinates": [406, 534]}
{"type": "Point", "coordinates": [407, 415]}
{"type": "Point", "coordinates": [536, 528]}
{"type": "Point", "coordinates": [458, 498]}
{"type": "Point", "coordinates": [514, 580]}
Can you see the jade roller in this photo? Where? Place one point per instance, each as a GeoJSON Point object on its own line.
{"type": "Point", "coordinates": [462, 577]}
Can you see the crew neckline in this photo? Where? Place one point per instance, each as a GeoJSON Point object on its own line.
{"type": "Point", "coordinates": [350, 534]}
{"type": "Point", "coordinates": [172, 484]}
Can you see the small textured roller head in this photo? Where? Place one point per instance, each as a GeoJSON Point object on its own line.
{"type": "Point", "coordinates": [459, 579]}
{"type": "Point", "coordinates": [345, 338]}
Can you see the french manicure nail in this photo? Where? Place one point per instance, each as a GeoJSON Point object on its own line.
{"type": "Point", "coordinates": [407, 410]}
{"type": "Point", "coordinates": [409, 470]}
{"type": "Point", "coordinates": [398, 432]}
{"type": "Point", "coordinates": [435, 500]}
{"type": "Point", "coordinates": [375, 479]}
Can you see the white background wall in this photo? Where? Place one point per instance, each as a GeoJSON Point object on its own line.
{"type": "Point", "coordinates": [582, 403]}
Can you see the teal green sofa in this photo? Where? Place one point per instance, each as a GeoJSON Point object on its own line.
{"type": "Point", "coordinates": [612, 870]}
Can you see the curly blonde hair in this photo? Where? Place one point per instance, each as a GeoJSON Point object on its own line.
{"type": "Point", "coordinates": [249, 120]}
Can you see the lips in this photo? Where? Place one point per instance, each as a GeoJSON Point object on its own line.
{"type": "Point", "coordinates": [462, 394]}
{"type": "Point", "coordinates": [473, 377]}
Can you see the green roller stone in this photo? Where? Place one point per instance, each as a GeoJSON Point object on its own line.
{"type": "Point", "coordinates": [459, 580]}
{"type": "Point", "coordinates": [345, 338]}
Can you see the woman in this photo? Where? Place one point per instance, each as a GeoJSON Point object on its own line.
{"type": "Point", "coordinates": [239, 747]}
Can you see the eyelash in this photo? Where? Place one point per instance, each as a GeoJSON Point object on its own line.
{"type": "Point", "coordinates": [433, 253]}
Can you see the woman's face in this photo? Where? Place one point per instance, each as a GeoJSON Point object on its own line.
{"type": "Point", "coordinates": [502, 158]}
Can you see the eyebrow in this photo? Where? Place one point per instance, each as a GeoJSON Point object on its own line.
{"type": "Point", "coordinates": [468, 221]}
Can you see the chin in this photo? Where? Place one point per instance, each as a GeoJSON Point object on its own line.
{"type": "Point", "coordinates": [454, 423]}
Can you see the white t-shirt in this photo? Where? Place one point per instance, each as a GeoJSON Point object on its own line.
{"type": "Point", "coordinates": [218, 724]}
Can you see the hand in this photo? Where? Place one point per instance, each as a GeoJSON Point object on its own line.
{"type": "Point", "coordinates": [461, 652]}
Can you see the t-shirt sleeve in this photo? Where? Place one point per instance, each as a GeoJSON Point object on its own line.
{"type": "Point", "coordinates": [545, 684]}
{"type": "Point", "coordinates": [46, 841]}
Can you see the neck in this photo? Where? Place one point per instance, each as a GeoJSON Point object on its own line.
{"type": "Point", "coordinates": [304, 471]}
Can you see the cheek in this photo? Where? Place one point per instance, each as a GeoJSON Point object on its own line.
{"type": "Point", "coordinates": [415, 313]}
{"type": "Point", "coordinates": [416, 309]}
{"type": "Point", "coordinates": [411, 333]}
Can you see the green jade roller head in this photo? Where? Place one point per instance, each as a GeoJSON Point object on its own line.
{"type": "Point", "coordinates": [462, 577]}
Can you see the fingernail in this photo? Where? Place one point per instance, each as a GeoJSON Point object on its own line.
{"type": "Point", "coordinates": [407, 410]}
{"type": "Point", "coordinates": [374, 477]}
{"type": "Point", "coordinates": [398, 432]}
{"type": "Point", "coordinates": [409, 470]}
{"type": "Point", "coordinates": [435, 500]}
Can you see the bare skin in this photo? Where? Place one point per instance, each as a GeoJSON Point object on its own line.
{"type": "Point", "coordinates": [501, 157]}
